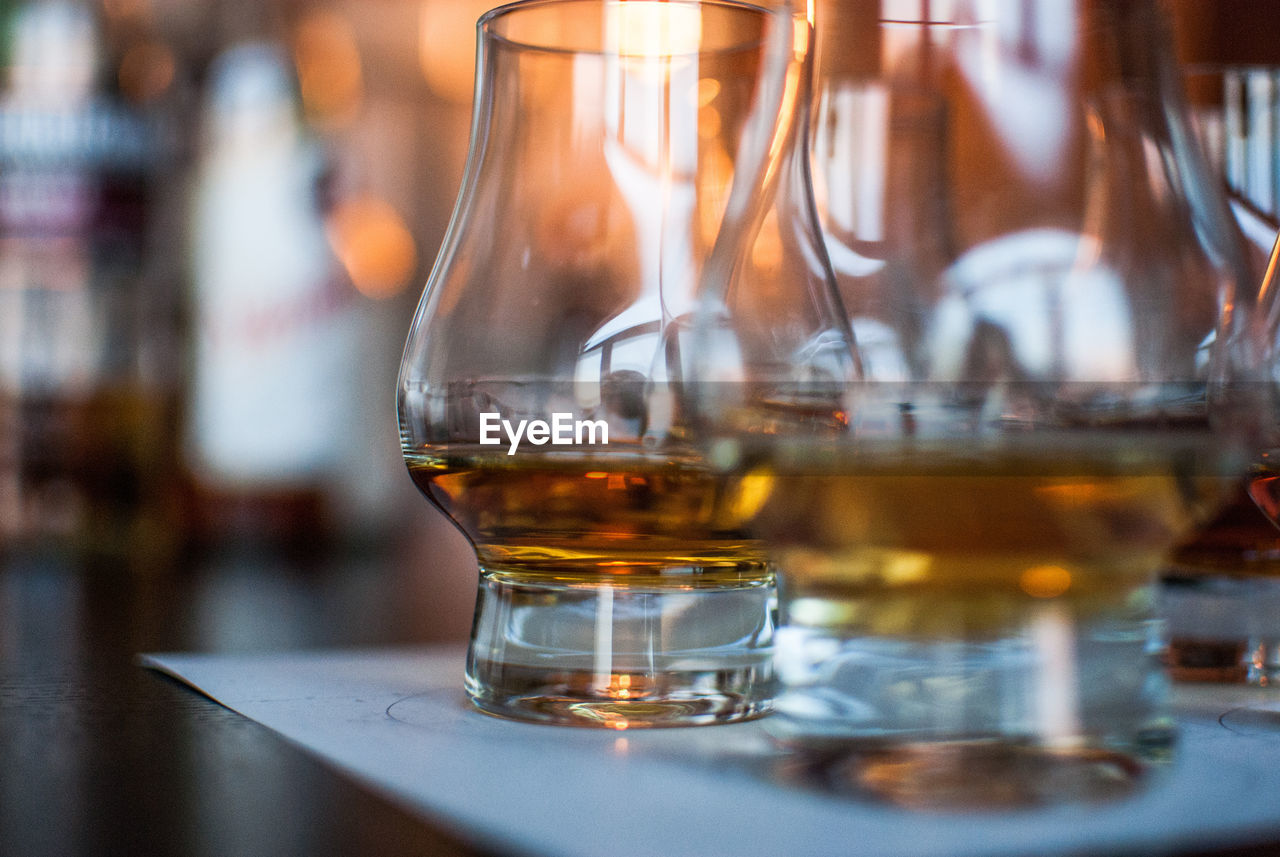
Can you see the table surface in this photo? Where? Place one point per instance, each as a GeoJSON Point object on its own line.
{"type": "Point", "coordinates": [103, 757]}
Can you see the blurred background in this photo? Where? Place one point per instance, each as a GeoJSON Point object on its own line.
{"type": "Point", "coordinates": [215, 222]}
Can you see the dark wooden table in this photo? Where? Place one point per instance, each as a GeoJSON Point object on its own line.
{"type": "Point", "coordinates": [99, 756]}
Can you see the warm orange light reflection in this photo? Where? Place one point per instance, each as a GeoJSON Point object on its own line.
{"type": "Point", "coordinates": [1072, 493]}
{"type": "Point", "coordinates": [714, 177]}
{"type": "Point", "coordinates": [1269, 279]}
{"type": "Point", "coordinates": [446, 45]}
{"type": "Point", "coordinates": [1097, 130]}
{"type": "Point", "coordinates": [800, 38]}
{"type": "Point", "coordinates": [1045, 581]}
{"type": "Point", "coordinates": [596, 474]}
{"type": "Point", "coordinates": [329, 74]}
{"type": "Point", "coordinates": [767, 251]}
{"type": "Point", "coordinates": [708, 123]}
{"type": "Point", "coordinates": [708, 89]}
{"type": "Point", "coordinates": [754, 490]}
{"type": "Point", "coordinates": [652, 30]}
{"type": "Point", "coordinates": [374, 245]}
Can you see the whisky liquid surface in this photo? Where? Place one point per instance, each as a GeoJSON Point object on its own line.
{"type": "Point", "coordinates": [641, 518]}
{"type": "Point", "coordinates": [945, 547]}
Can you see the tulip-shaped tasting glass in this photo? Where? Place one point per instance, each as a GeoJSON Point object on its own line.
{"type": "Point", "coordinates": [1044, 287]}
{"type": "Point", "coordinates": [535, 393]}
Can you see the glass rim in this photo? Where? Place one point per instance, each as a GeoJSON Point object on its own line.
{"type": "Point", "coordinates": [487, 27]}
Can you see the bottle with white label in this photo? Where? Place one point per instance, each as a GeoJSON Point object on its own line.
{"type": "Point", "coordinates": [275, 322]}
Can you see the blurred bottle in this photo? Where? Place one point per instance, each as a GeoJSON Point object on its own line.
{"type": "Point", "coordinates": [276, 334]}
{"type": "Point", "coordinates": [88, 332]}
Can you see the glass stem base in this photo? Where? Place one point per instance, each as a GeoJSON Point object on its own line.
{"type": "Point", "coordinates": [1055, 705]}
{"type": "Point", "coordinates": [611, 654]}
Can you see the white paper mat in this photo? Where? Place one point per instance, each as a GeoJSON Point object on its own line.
{"type": "Point", "coordinates": [398, 721]}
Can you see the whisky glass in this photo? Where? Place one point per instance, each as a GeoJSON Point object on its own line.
{"type": "Point", "coordinates": [537, 395]}
{"type": "Point", "coordinates": [1220, 590]}
{"type": "Point", "coordinates": [1046, 292]}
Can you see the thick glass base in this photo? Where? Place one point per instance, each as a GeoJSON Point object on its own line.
{"type": "Point", "coordinates": [606, 653]}
{"type": "Point", "coordinates": [1222, 629]}
{"type": "Point", "coordinates": [1059, 706]}
{"type": "Point", "coordinates": [954, 776]}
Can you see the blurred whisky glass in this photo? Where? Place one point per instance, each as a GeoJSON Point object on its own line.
{"type": "Point", "coordinates": [1046, 295]}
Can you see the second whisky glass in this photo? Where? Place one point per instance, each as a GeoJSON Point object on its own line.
{"type": "Point", "coordinates": [1046, 297]}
